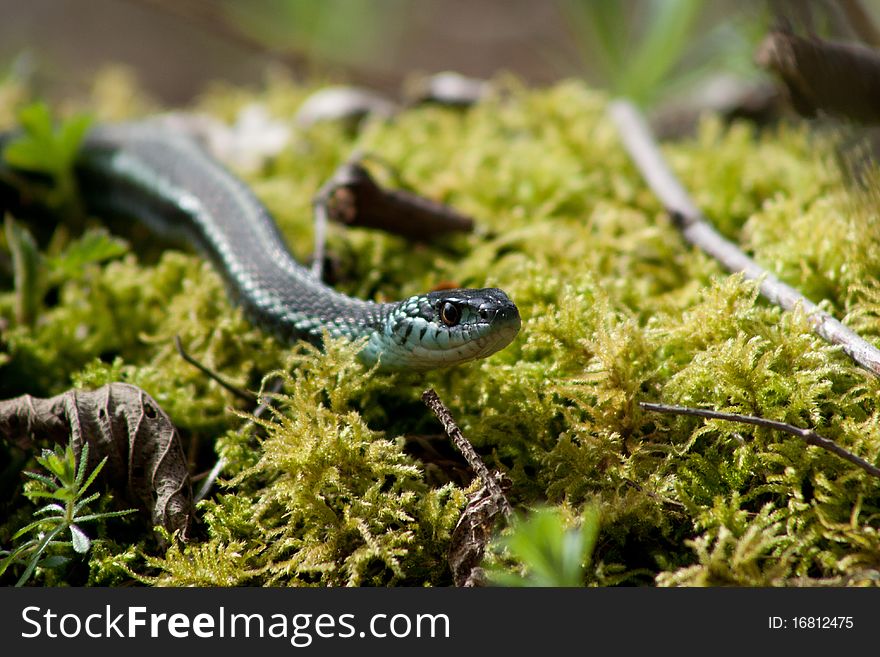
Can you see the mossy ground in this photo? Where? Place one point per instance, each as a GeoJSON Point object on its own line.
{"type": "Point", "coordinates": [616, 309]}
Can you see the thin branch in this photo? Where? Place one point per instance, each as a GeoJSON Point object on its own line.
{"type": "Point", "coordinates": [211, 374]}
{"type": "Point", "coordinates": [645, 153]}
{"type": "Point", "coordinates": [319, 221]}
{"type": "Point", "coordinates": [214, 474]}
{"type": "Point", "coordinates": [354, 198]}
{"type": "Point", "coordinates": [443, 414]}
{"type": "Point", "coordinates": [809, 436]}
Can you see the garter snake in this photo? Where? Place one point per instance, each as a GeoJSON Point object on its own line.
{"type": "Point", "coordinates": [170, 183]}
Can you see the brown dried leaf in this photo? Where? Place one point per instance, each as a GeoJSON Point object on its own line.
{"type": "Point", "coordinates": [145, 459]}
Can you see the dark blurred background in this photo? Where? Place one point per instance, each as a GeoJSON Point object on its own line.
{"type": "Point", "coordinates": [174, 47]}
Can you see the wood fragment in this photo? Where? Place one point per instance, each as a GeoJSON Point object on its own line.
{"type": "Point", "coordinates": [352, 197]}
{"type": "Point", "coordinates": [432, 401]}
{"type": "Point", "coordinates": [808, 435]}
{"type": "Point", "coordinates": [473, 532]}
{"type": "Point", "coordinates": [145, 460]}
{"type": "Point", "coordinates": [645, 153]}
{"type": "Point", "coordinates": [349, 105]}
{"type": "Point", "coordinates": [477, 522]}
{"type": "Point", "coordinates": [842, 79]}
{"type": "Point", "coordinates": [448, 88]}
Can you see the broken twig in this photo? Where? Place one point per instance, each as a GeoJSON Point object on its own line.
{"type": "Point", "coordinates": [477, 522]}
{"type": "Point", "coordinates": [472, 533]}
{"type": "Point", "coordinates": [439, 409]}
{"type": "Point", "coordinates": [352, 197]}
{"type": "Point", "coordinates": [645, 153]}
{"type": "Point", "coordinates": [808, 435]}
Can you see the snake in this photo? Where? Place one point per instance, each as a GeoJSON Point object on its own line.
{"type": "Point", "coordinates": [169, 182]}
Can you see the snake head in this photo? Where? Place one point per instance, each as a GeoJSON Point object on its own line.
{"type": "Point", "coordinates": [445, 328]}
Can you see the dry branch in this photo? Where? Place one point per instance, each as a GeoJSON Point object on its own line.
{"type": "Point", "coordinates": [354, 198]}
{"type": "Point", "coordinates": [433, 402]}
{"type": "Point", "coordinates": [809, 436]}
{"type": "Point", "coordinates": [645, 153]}
{"type": "Point", "coordinates": [477, 522]}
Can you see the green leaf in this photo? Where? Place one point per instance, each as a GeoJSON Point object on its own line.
{"type": "Point", "coordinates": [670, 33]}
{"type": "Point", "coordinates": [12, 556]}
{"type": "Point", "coordinates": [81, 466]}
{"type": "Point", "coordinates": [29, 155]}
{"type": "Point", "coordinates": [552, 554]}
{"type": "Point", "coordinates": [43, 148]}
{"type": "Point", "coordinates": [94, 474]}
{"type": "Point", "coordinates": [104, 515]}
{"type": "Point", "coordinates": [43, 479]}
{"type": "Point", "coordinates": [85, 501]}
{"type": "Point", "coordinates": [36, 119]}
{"type": "Point", "coordinates": [81, 542]}
{"type": "Point", "coordinates": [57, 494]}
{"type": "Point", "coordinates": [55, 561]}
{"type": "Point", "coordinates": [94, 246]}
{"type": "Point", "coordinates": [36, 524]}
{"type": "Point", "coordinates": [28, 268]}
{"type": "Point", "coordinates": [35, 557]}
{"type": "Point", "coordinates": [70, 136]}
{"type": "Point", "coordinates": [50, 507]}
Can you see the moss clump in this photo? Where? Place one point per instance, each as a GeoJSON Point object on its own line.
{"type": "Point", "coordinates": [617, 309]}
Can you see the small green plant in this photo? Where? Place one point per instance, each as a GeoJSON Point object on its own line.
{"type": "Point", "coordinates": [35, 273]}
{"type": "Point", "coordinates": [550, 551]}
{"type": "Point", "coordinates": [655, 49]}
{"type": "Point", "coordinates": [65, 487]}
{"type": "Point", "coordinates": [47, 148]}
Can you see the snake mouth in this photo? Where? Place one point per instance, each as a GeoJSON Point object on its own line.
{"type": "Point", "coordinates": [504, 326]}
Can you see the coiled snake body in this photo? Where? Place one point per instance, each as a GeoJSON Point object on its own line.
{"type": "Point", "coordinates": [170, 183]}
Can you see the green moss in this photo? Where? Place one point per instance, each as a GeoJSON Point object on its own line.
{"type": "Point", "coordinates": [616, 309]}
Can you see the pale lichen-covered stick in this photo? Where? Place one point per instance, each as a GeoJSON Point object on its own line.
{"type": "Point", "coordinates": [643, 149]}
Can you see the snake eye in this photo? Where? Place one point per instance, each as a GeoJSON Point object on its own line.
{"type": "Point", "coordinates": [449, 313]}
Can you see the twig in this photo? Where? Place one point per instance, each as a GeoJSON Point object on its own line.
{"type": "Point", "coordinates": [809, 436]}
{"type": "Point", "coordinates": [696, 229]}
{"type": "Point", "coordinates": [211, 477]}
{"type": "Point", "coordinates": [352, 197]}
{"type": "Point", "coordinates": [319, 221]}
{"type": "Point", "coordinates": [433, 402]}
{"type": "Point", "coordinates": [235, 390]}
